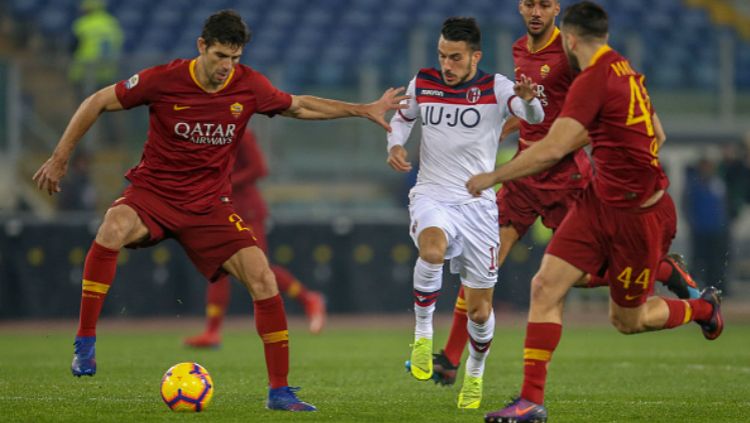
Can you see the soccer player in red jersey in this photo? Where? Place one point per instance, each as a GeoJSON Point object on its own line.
{"type": "Point", "coordinates": [181, 188]}
{"type": "Point", "coordinates": [624, 221]}
{"type": "Point", "coordinates": [549, 194]}
{"type": "Point", "coordinates": [250, 167]}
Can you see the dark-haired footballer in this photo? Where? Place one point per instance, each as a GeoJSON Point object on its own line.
{"type": "Point", "coordinates": [461, 109]}
{"type": "Point", "coordinates": [624, 221]}
{"type": "Point", "coordinates": [198, 111]}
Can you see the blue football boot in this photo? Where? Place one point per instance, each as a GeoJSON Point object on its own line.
{"type": "Point", "coordinates": [285, 398]}
{"type": "Point", "coordinates": [84, 356]}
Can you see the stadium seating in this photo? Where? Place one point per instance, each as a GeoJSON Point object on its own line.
{"type": "Point", "coordinates": [325, 42]}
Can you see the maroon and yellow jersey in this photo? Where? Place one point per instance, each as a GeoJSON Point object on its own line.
{"type": "Point", "coordinates": [548, 67]}
{"type": "Point", "coordinates": [193, 134]}
{"type": "Point", "coordinates": [610, 99]}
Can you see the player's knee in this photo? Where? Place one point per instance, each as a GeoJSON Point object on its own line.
{"type": "Point", "coordinates": [113, 230]}
{"type": "Point", "coordinates": [479, 314]}
{"type": "Point", "coordinates": [432, 254]}
{"type": "Point", "coordinates": [540, 288]}
{"type": "Point", "coordinates": [624, 325]}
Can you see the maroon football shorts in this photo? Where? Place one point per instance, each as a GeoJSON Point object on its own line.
{"type": "Point", "coordinates": [520, 204]}
{"type": "Point", "coordinates": [626, 243]}
{"type": "Point", "coordinates": [209, 239]}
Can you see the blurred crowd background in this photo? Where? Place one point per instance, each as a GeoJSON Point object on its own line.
{"type": "Point", "coordinates": [338, 212]}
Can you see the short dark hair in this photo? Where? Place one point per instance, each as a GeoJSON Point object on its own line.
{"type": "Point", "coordinates": [588, 18]}
{"type": "Point", "coordinates": [465, 29]}
{"type": "Point", "coordinates": [226, 27]}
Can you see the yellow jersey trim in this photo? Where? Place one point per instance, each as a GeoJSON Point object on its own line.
{"type": "Point", "coordinates": [599, 53]}
{"type": "Point", "coordinates": [555, 34]}
{"type": "Point", "coordinates": [195, 78]}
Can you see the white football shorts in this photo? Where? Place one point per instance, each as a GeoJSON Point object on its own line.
{"type": "Point", "coordinates": [472, 232]}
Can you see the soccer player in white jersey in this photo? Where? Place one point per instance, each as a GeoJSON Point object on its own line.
{"type": "Point", "coordinates": [462, 111]}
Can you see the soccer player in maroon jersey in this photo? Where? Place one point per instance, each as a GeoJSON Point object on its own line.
{"type": "Point", "coordinates": [624, 221]}
{"type": "Point", "coordinates": [250, 167]}
{"type": "Point", "coordinates": [540, 56]}
{"type": "Point", "coordinates": [181, 188]}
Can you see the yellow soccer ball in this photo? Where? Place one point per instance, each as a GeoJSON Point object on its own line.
{"type": "Point", "coordinates": [187, 387]}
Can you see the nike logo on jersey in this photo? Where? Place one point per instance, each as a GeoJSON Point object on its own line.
{"type": "Point", "coordinates": [177, 107]}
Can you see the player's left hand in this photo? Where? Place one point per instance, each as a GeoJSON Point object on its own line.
{"type": "Point", "coordinates": [525, 88]}
{"type": "Point", "coordinates": [479, 183]}
{"type": "Point", "coordinates": [391, 100]}
{"type": "Point", "coordinates": [48, 176]}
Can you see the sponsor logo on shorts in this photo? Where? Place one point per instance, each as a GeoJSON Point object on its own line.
{"type": "Point", "coordinates": [632, 297]}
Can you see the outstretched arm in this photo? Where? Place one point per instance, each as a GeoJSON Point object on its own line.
{"type": "Point", "coordinates": [316, 108]}
{"type": "Point", "coordinates": [565, 135]}
{"type": "Point", "coordinates": [52, 171]}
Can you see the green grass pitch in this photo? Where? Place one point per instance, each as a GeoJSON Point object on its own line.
{"type": "Point", "coordinates": [597, 375]}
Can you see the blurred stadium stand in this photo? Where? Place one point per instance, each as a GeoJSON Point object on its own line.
{"type": "Point", "coordinates": [320, 42]}
{"type": "Point", "coordinates": [695, 54]}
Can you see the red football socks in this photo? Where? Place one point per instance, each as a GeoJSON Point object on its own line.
{"type": "Point", "coordinates": [270, 321]}
{"type": "Point", "coordinates": [682, 312]}
{"type": "Point", "coordinates": [459, 335]}
{"type": "Point", "coordinates": [541, 341]}
{"type": "Point", "coordinates": [98, 274]}
{"type": "Point", "coordinates": [217, 301]}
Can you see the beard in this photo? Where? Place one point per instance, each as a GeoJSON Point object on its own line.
{"type": "Point", "coordinates": [462, 79]}
{"type": "Point", "coordinates": [536, 34]}
{"type": "Point", "coordinates": [573, 61]}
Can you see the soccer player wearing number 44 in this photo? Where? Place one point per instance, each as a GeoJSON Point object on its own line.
{"type": "Point", "coordinates": [181, 189]}
{"type": "Point", "coordinates": [624, 221]}
{"type": "Point", "coordinates": [548, 195]}
{"type": "Point", "coordinates": [461, 110]}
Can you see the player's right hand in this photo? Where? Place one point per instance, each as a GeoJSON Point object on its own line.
{"type": "Point", "coordinates": [397, 159]}
{"type": "Point", "coordinates": [48, 176]}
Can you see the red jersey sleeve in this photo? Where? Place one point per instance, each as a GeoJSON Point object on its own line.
{"type": "Point", "coordinates": [139, 89]}
{"type": "Point", "coordinates": [270, 100]}
{"type": "Point", "coordinates": [586, 96]}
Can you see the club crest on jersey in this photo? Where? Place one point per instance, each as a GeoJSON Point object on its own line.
{"type": "Point", "coordinates": [236, 109]}
{"type": "Point", "coordinates": [132, 81]}
{"type": "Point", "coordinates": [544, 70]}
{"type": "Point", "coordinates": [473, 95]}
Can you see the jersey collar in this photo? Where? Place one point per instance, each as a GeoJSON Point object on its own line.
{"type": "Point", "coordinates": [555, 34]}
{"type": "Point", "coordinates": [195, 78]}
{"type": "Point", "coordinates": [599, 53]}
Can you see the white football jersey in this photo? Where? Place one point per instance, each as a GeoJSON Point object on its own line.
{"type": "Point", "coordinates": [461, 127]}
